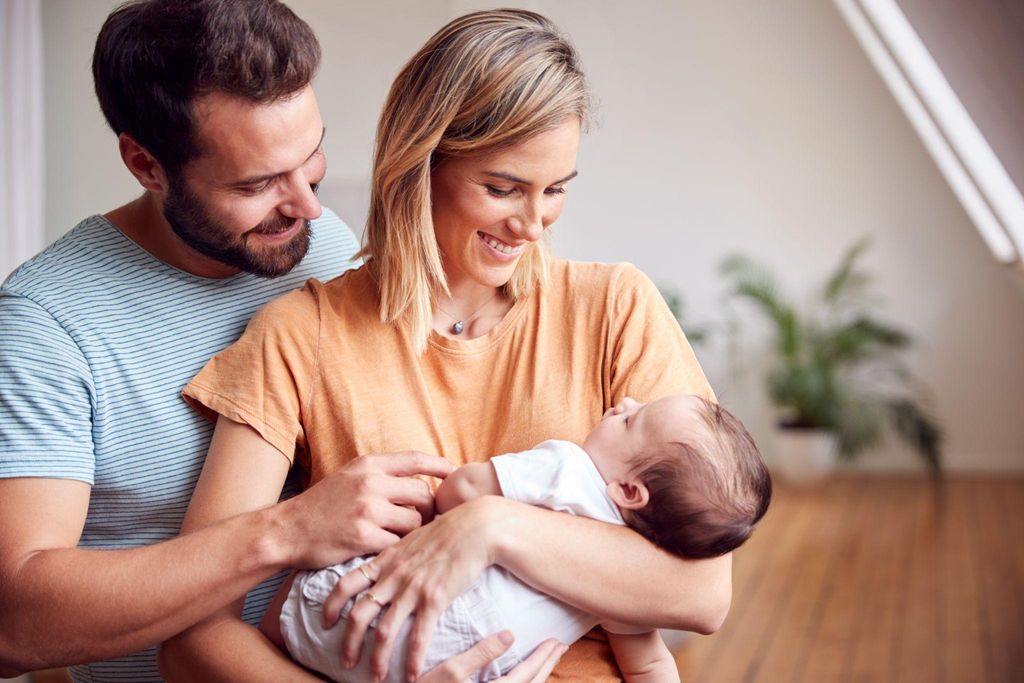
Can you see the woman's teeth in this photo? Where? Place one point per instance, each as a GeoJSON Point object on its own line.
{"type": "Point", "coordinates": [499, 246]}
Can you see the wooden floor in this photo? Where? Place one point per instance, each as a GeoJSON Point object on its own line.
{"type": "Point", "coordinates": [877, 579]}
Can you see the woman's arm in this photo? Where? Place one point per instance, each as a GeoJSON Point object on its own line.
{"type": "Point", "coordinates": [360, 509]}
{"type": "Point", "coordinates": [609, 571]}
{"type": "Point", "coordinates": [614, 572]}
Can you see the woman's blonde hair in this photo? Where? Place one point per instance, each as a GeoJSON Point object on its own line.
{"type": "Point", "coordinates": [485, 82]}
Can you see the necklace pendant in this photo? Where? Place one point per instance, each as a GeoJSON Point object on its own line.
{"type": "Point", "coordinates": [458, 327]}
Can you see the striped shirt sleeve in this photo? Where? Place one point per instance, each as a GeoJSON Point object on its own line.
{"type": "Point", "coordinates": [46, 396]}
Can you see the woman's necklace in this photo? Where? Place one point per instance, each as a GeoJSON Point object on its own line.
{"type": "Point", "coordinates": [460, 323]}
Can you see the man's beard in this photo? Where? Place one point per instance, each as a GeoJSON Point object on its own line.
{"type": "Point", "coordinates": [193, 224]}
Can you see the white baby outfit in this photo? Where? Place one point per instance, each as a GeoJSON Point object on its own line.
{"type": "Point", "coordinates": [558, 475]}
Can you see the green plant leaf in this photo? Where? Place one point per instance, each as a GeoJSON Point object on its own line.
{"type": "Point", "coordinates": [845, 279]}
{"type": "Point", "coordinates": [919, 430]}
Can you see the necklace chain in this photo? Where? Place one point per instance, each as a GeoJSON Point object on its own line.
{"type": "Point", "coordinates": [460, 323]}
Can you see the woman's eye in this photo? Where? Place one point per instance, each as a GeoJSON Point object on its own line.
{"type": "Point", "coordinates": [555, 190]}
{"type": "Point", "coordinates": [498, 192]}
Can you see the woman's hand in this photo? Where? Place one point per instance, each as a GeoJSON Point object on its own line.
{"type": "Point", "coordinates": [534, 669]}
{"type": "Point", "coordinates": [422, 574]}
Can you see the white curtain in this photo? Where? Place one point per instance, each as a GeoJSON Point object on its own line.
{"type": "Point", "coordinates": [21, 132]}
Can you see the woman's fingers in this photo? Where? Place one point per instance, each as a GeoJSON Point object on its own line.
{"type": "Point", "coordinates": [422, 632]}
{"type": "Point", "coordinates": [538, 666]}
{"type": "Point", "coordinates": [387, 631]}
{"type": "Point", "coordinates": [367, 607]}
{"type": "Point", "coordinates": [349, 586]}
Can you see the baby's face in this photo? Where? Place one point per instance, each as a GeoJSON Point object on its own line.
{"type": "Point", "coordinates": [631, 429]}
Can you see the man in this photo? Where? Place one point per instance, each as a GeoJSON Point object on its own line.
{"type": "Point", "coordinates": [215, 118]}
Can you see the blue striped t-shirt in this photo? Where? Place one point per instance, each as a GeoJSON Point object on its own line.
{"type": "Point", "coordinates": [97, 340]}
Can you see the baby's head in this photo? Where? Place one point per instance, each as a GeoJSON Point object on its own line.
{"type": "Point", "coordinates": [684, 472]}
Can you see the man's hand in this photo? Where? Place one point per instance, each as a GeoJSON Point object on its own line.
{"type": "Point", "coordinates": [363, 508]}
{"type": "Point", "coordinates": [534, 669]}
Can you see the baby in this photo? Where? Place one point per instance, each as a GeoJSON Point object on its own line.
{"type": "Point", "coordinates": [681, 471]}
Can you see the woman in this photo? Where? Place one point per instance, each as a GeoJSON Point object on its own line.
{"type": "Point", "coordinates": [462, 336]}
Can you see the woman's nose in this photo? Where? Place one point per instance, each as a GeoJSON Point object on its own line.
{"type": "Point", "coordinates": [529, 224]}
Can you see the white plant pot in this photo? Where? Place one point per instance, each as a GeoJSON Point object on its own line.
{"type": "Point", "coordinates": [804, 456]}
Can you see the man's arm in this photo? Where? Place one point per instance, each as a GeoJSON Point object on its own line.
{"type": "Point", "coordinates": [466, 483]}
{"type": "Point", "coordinates": [643, 658]}
{"type": "Point", "coordinates": [61, 605]}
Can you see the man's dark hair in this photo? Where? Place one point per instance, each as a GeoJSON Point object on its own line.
{"type": "Point", "coordinates": [705, 497]}
{"type": "Point", "coordinates": [154, 58]}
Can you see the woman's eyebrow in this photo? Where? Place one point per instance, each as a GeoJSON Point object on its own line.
{"type": "Point", "coordinates": [516, 179]}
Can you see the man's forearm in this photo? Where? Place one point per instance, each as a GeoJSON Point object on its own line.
{"type": "Point", "coordinates": [615, 573]}
{"type": "Point", "coordinates": [224, 648]}
{"type": "Point", "coordinates": [129, 599]}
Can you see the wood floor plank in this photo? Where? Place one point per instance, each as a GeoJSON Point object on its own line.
{"type": "Point", "coordinates": [999, 511]}
{"type": "Point", "coordinates": [783, 656]}
{"type": "Point", "coordinates": [879, 619]}
{"type": "Point", "coordinates": [827, 658]}
{"type": "Point", "coordinates": [961, 637]}
{"type": "Point", "coordinates": [916, 659]}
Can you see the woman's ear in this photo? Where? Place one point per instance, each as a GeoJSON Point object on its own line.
{"type": "Point", "coordinates": [143, 165]}
{"type": "Point", "coordinates": [629, 495]}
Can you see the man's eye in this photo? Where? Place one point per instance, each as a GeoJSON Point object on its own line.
{"type": "Point", "coordinates": [256, 189]}
{"type": "Point", "coordinates": [498, 192]}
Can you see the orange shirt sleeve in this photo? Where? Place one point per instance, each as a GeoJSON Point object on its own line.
{"type": "Point", "coordinates": [649, 354]}
{"type": "Point", "coordinates": [265, 378]}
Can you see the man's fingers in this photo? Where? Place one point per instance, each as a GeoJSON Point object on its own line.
{"type": "Point", "coordinates": [408, 463]}
{"type": "Point", "coordinates": [413, 492]}
{"type": "Point", "coordinates": [400, 520]}
{"type": "Point", "coordinates": [462, 666]}
{"type": "Point", "coordinates": [538, 666]}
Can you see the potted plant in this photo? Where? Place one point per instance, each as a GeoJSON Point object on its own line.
{"type": "Point", "coordinates": [838, 377]}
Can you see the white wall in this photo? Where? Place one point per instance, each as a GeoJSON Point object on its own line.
{"type": "Point", "coordinates": [723, 126]}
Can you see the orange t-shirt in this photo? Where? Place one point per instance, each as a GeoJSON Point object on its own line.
{"type": "Point", "coordinates": [317, 374]}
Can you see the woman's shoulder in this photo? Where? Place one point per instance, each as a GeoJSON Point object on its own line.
{"type": "Point", "coordinates": [609, 279]}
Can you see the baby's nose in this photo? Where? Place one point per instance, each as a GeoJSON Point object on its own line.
{"type": "Point", "coordinates": [625, 404]}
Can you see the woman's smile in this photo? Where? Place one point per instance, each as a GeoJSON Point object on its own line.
{"type": "Point", "coordinates": [500, 250]}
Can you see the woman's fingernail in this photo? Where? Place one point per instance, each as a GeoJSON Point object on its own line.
{"type": "Point", "coordinates": [506, 637]}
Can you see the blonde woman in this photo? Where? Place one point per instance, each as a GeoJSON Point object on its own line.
{"type": "Point", "coordinates": [461, 336]}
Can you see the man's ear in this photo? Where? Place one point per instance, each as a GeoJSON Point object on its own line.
{"type": "Point", "coordinates": [629, 495]}
{"type": "Point", "coordinates": [143, 165]}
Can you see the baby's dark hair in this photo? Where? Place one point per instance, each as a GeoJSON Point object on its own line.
{"type": "Point", "coordinates": [705, 496]}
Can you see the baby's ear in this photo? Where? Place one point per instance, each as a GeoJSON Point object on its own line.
{"type": "Point", "coordinates": [629, 495]}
